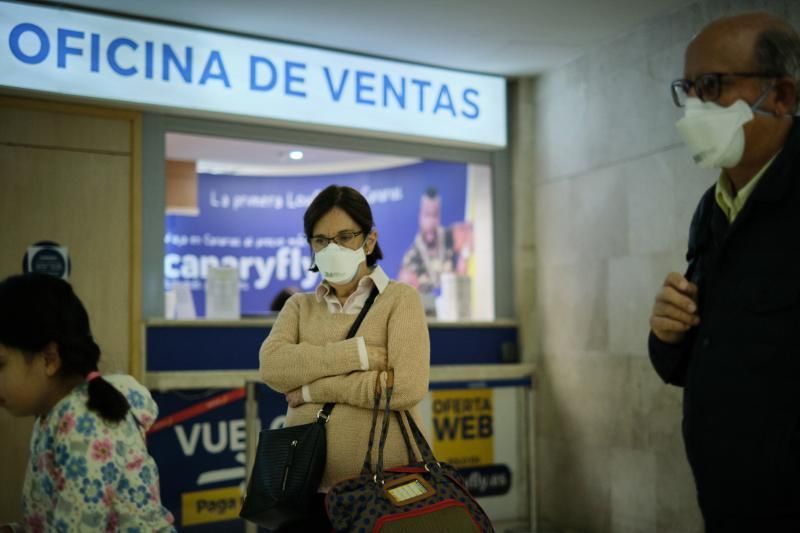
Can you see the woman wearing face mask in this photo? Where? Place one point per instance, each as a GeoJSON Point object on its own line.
{"type": "Point", "coordinates": [307, 358]}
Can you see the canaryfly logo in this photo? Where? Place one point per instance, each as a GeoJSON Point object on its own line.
{"type": "Point", "coordinates": [283, 259]}
{"type": "Point", "coordinates": [62, 51]}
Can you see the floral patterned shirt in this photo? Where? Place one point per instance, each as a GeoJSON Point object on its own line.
{"type": "Point", "coordinates": [85, 474]}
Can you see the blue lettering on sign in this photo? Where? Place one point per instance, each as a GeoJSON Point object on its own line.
{"type": "Point", "coordinates": [399, 96]}
{"type": "Point", "coordinates": [362, 87]}
{"type": "Point", "coordinates": [291, 78]}
{"type": "Point", "coordinates": [94, 54]}
{"type": "Point", "coordinates": [63, 49]}
{"type": "Point", "coordinates": [44, 43]}
{"type": "Point", "coordinates": [255, 61]}
{"type": "Point", "coordinates": [215, 62]}
{"type": "Point", "coordinates": [336, 94]}
{"type": "Point", "coordinates": [128, 57]}
{"type": "Point", "coordinates": [475, 110]}
{"type": "Point", "coordinates": [111, 55]}
{"type": "Point", "coordinates": [444, 101]}
{"type": "Point", "coordinates": [148, 59]}
{"type": "Point", "coordinates": [422, 86]}
{"type": "Point", "coordinates": [169, 57]}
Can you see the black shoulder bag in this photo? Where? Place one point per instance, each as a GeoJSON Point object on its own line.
{"type": "Point", "coordinates": [289, 464]}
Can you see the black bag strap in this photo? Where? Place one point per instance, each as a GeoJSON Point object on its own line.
{"type": "Point", "coordinates": [412, 458]}
{"type": "Point", "coordinates": [429, 460]}
{"type": "Point", "coordinates": [363, 313]}
{"type": "Point", "coordinates": [384, 433]}
{"type": "Point", "coordinates": [325, 412]}
{"type": "Point", "coordinates": [366, 468]}
{"type": "Point", "coordinates": [424, 448]}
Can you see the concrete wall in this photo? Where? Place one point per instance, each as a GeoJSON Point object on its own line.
{"type": "Point", "coordinates": [603, 194]}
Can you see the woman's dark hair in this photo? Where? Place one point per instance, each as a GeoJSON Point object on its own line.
{"type": "Point", "coordinates": [37, 309]}
{"type": "Point", "coordinates": [351, 202]}
{"type": "Point", "coordinates": [282, 297]}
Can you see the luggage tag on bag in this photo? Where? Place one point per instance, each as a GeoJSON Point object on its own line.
{"type": "Point", "coordinates": [408, 489]}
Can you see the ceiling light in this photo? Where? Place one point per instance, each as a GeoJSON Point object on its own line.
{"type": "Point", "coordinates": [296, 155]}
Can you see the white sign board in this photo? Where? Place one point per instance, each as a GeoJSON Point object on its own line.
{"type": "Point", "coordinates": [74, 53]}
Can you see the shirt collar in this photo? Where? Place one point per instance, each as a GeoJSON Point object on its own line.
{"type": "Point", "coordinates": [376, 277]}
{"type": "Point", "coordinates": [730, 204]}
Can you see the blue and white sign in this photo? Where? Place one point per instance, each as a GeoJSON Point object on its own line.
{"type": "Point", "coordinates": [255, 224]}
{"type": "Point", "coordinates": [67, 52]}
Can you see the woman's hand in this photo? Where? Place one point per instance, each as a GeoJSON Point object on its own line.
{"type": "Point", "coordinates": [295, 398]}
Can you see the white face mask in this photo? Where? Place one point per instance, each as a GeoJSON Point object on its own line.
{"type": "Point", "coordinates": [338, 264]}
{"type": "Point", "coordinates": [713, 133]}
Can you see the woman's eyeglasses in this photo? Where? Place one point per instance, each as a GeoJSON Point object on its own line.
{"type": "Point", "coordinates": [343, 238]}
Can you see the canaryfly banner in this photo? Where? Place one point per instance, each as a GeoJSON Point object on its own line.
{"type": "Point", "coordinates": [68, 52]}
{"type": "Point", "coordinates": [255, 224]}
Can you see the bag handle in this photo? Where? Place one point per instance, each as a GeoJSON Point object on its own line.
{"type": "Point", "coordinates": [325, 413]}
{"type": "Point", "coordinates": [385, 429]}
{"type": "Point", "coordinates": [412, 457]}
{"type": "Point", "coordinates": [431, 464]}
{"type": "Point", "coordinates": [366, 469]}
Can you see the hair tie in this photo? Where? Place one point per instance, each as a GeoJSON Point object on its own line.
{"type": "Point", "coordinates": [92, 375]}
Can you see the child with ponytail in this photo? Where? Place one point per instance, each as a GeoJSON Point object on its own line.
{"type": "Point", "coordinates": [89, 469]}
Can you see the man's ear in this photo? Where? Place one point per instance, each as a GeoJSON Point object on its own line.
{"type": "Point", "coordinates": [785, 97]}
{"type": "Point", "coordinates": [52, 359]}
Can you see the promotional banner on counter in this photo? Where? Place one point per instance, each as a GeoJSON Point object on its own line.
{"type": "Point", "coordinates": [477, 428]}
{"type": "Point", "coordinates": [255, 225]}
{"type": "Point", "coordinates": [199, 444]}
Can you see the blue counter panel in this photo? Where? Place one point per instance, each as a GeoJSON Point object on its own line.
{"type": "Point", "coordinates": [174, 348]}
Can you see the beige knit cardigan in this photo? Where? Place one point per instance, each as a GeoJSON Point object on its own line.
{"type": "Point", "coordinates": [307, 346]}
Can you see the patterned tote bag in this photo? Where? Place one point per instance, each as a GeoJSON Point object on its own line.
{"type": "Point", "coordinates": [420, 497]}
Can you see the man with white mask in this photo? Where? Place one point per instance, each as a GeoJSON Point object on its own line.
{"type": "Point", "coordinates": [726, 330]}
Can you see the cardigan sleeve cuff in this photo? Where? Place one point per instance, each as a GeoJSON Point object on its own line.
{"type": "Point", "coordinates": [362, 353]}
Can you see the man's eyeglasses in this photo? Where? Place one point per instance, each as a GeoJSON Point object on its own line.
{"type": "Point", "coordinates": [708, 87]}
{"type": "Point", "coordinates": [343, 238]}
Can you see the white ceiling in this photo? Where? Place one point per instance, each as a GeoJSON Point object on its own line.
{"type": "Point", "coordinates": [505, 37]}
{"type": "Point", "coordinates": [218, 155]}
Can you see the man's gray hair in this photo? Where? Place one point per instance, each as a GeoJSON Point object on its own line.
{"type": "Point", "coordinates": [778, 54]}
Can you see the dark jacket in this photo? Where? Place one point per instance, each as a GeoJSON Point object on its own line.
{"type": "Point", "coordinates": [740, 368]}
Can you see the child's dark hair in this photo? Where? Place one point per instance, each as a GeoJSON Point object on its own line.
{"type": "Point", "coordinates": [37, 309]}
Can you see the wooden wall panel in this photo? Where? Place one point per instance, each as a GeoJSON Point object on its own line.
{"type": "Point", "coordinates": [64, 130]}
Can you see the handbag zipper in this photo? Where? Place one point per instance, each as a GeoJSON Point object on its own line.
{"type": "Point", "coordinates": [289, 460]}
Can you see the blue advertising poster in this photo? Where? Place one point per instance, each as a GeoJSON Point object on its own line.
{"type": "Point", "coordinates": [255, 224]}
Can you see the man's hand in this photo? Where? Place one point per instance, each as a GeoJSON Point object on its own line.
{"type": "Point", "coordinates": [295, 398]}
{"type": "Point", "coordinates": [675, 309]}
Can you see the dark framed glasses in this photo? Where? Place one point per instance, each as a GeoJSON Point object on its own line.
{"type": "Point", "coordinates": [343, 238]}
{"type": "Point", "coordinates": [708, 87]}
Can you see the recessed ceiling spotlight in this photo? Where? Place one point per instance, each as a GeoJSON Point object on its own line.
{"type": "Point", "coordinates": [296, 155]}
